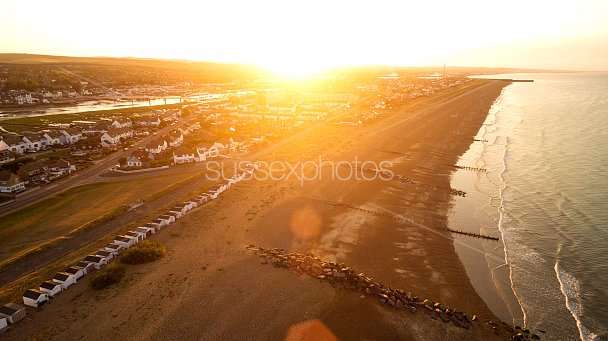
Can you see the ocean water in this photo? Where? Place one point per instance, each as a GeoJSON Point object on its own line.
{"type": "Point", "coordinates": [544, 192]}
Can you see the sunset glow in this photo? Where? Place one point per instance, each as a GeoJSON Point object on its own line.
{"type": "Point", "coordinates": [296, 38]}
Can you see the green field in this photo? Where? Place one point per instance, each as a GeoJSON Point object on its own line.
{"type": "Point", "coordinates": [58, 215]}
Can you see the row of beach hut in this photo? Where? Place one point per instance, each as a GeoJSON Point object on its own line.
{"type": "Point", "coordinates": [12, 313]}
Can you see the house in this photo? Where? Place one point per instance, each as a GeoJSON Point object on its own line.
{"type": "Point", "coordinates": [77, 271]}
{"type": "Point", "coordinates": [3, 323]}
{"type": "Point", "coordinates": [126, 242]}
{"type": "Point", "coordinates": [35, 298]}
{"type": "Point", "coordinates": [54, 137]}
{"type": "Point", "coordinates": [96, 260]}
{"type": "Point", "coordinates": [33, 172]}
{"type": "Point", "coordinates": [114, 248]}
{"type": "Point", "coordinates": [65, 279]}
{"type": "Point", "coordinates": [12, 312]}
{"type": "Point", "coordinates": [72, 135]}
{"type": "Point", "coordinates": [122, 122]}
{"type": "Point", "coordinates": [138, 236]}
{"type": "Point", "coordinates": [175, 139]}
{"type": "Point", "coordinates": [88, 267]}
{"type": "Point", "coordinates": [36, 141]}
{"type": "Point", "coordinates": [108, 255]}
{"type": "Point", "coordinates": [113, 136]}
{"type": "Point", "coordinates": [187, 155]}
{"type": "Point", "coordinates": [156, 146]}
{"type": "Point", "coordinates": [147, 231]}
{"type": "Point", "coordinates": [10, 182]}
{"type": "Point", "coordinates": [147, 121]}
{"type": "Point", "coordinates": [50, 288]}
{"type": "Point", "coordinates": [14, 143]}
{"type": "Point", "coordinates": [5, 155]}
{"type": "Point", "coordinates": [60, 167]}
{"type": "Point", "coordinates": [139, 158]}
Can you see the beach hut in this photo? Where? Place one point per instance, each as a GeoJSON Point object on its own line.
{"type": "Point", "coordinates": [145, 230]}
{"type": "Point", "coordinates": [138, 236]}
{"type": "Point", "coordinates": [178, 211]}
{"type": "Point", "coordinates": [3, 323]}
{"type": "Point", "coordinates": [175, 215]}
{"type": "Point", "coordinates": [50, 288]}
{"type": "Point", "coordinates": [77, 271]}
{"type": "Point", "coordinates": [125, 241]}
{"type": "Point", "coordinates": [88, 267]}
{"type": "Point", "coordinates": [35, 298]}
{"type": "Point", "coordinates": [65, 279]}
{"type": "Point", "coordinates": [105, 254]}
{"type": "Point", "coordinates": [167, 218]}
{"type": "Point", "coordinates": [12, 312]}
{"type": "Point", "coordinates": [96, 260]}
{"type": "Point", "coordinates": [193, 204]}
{"type": "Point", "coordinates": [155, 225]}
{"type": "Point", "coordinates": [114, 248]}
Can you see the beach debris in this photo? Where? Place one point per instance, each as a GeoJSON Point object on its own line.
{"type": "Point", "coordinates": [341, 276]}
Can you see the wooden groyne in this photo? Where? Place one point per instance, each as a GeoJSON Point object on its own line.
{"type": "Point", "coordinates": [474, 169]}
{"type": "Point", "coordinates": [397, 217]}
{"type": "Point", "coordinates": [407, 180]}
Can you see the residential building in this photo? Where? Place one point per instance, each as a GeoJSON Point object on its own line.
{"type": "Point", "coordinates": [10, 182]}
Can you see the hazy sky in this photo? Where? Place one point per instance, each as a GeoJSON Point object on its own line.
{"type": "Point", "coordinates": [306, 35]}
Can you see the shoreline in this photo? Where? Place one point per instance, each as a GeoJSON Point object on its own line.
{"type": "Point", "coordinates": [207, 274]}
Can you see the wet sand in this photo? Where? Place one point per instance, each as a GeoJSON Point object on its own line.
{"type": "Point", "coordinates": [209, 287]}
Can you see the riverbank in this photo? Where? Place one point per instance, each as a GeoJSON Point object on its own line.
{"type": "Point", "coordinates": [209, 287]}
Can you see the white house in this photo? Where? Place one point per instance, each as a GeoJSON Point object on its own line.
{"type": "Point", "coordinates": [147, 121]}
{"type": "Point", "coordinates": [10, 182]}
{"type": "Point", "coordinates": [50, 288]}
{"type": "Point", "coordinates": [12, 312]}
{"type": "Point", "coordinates": [96, 260]}
{"type": "Point", "coordinates": [60, 167]}
{"type": "Point", "coordinates": [121, 122]}
{"type": "Point", "coordinates": [72, 135]}
{"type": "Point", "coordinates": [175, 139]}
{"type": "Point", "coordinates": [35, 298]}
{"type": "Point", "coordinates": [54, 137]}
{"type": "Point", "coordinates": [76, 271]}
{"type": "Point", "coordinates": [113, 136]}
{"type": "Point", "coordinates": [156, 146]}
{"type": "Point", "coordinates": [65, 279]}
{"type": "Point", "coordinates": [36, 141]}
{"type": "Point", "coordinates": [14, 143]}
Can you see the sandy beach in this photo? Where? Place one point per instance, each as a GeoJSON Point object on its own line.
{"type": "Point", "coordinates": [209, 287]}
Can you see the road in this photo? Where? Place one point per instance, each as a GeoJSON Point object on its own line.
{"type": "Point", "coordinates": [85, 176]}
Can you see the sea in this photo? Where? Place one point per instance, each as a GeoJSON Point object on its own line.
{"type": "Point", "coordinates": [538, 180]}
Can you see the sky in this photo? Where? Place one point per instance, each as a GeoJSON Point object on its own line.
{"type": "Point", "coordinates": [303, 36]}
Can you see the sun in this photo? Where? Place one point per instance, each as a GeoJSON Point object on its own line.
{"type": "Point", "coordinates": [296, 70]}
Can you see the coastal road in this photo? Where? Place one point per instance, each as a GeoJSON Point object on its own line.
{"type": "Point", "coordinates": [85, 176]}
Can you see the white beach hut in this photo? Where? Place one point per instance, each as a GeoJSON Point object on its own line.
{"type": "Point", "coordinates": [50, 288]}
{"type": "Point", "coordinates": [96, 260]}
{"type": "Point", "coordinates": [35, 298]}
{"type": "Point", "coordinates": [77, 271]}
{"type": "Point", "coordinates": [65, 279]}
{"type": "Point", "coordinates": [12, 312]}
